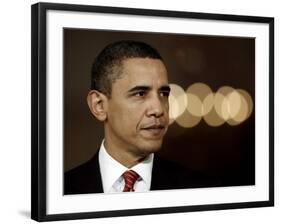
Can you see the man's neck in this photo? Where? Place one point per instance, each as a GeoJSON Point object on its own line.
{"type": "Point", "coordinates": [125, 157]}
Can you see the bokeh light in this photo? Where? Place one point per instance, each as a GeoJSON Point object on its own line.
{"type": "Point", "coordinates": [187, 120]}
{"type": "Point", "coordinates": [173, 108]}
{"type": "Point", "coordinates": [177, 102]}
{"type": "Point", "coordinates": [249, 101]}
{"type": "Point", "coordinates": [215, 116]}
{"type": "Point", "coordinates": [213, 119]}
{"type": "Point", "coordinates": [208, 103]}
{"type": "Point", "coordinates": [199, 98]}
{"type": "Point", "coordinates": [229, 105]}
{"type": "Point", "coordinates": [234, 103]}
{"type": "Point", "coordinates": [194, 106]}
{"type": "Point", "coordinates": [242, 114]}
{"type": "Point", "coordinates": [221, 102]}
{"type": "Point", "coordinates": [245, 109]}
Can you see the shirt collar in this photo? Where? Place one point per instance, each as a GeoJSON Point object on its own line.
{"type": "Point", "coordinates": [111, 170]}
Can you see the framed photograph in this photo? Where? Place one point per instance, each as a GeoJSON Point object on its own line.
{"type": "Point", "coordinates": [139, 111]}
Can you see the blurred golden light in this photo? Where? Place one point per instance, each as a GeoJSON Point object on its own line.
{"type": "Point", "coordinates": [199, 89]}
{"type": "Point", "coordinates": [213, 119]}
{"type": "Point", "coordinates": [225, 90]}
{"type": "Point", "coordinates": [173, 109]}
{"type": "Point", "coordinates": [208, 103]}
{"type": "Point", "coordinates": [215, 116]}
{"type": "Point", "coordinates": [187, 120]}
{"type": "Point", "coordinates": [194, 105]}
{"type": "Point", "coordinates": [188, 107]}
{"type": "Point", "coordinates": [242, 113]}
{"type": "Point", "coordinates": [177, 102]}
{"type": "Point", "coordinates": [200, 99]}
{"type": "Point", "coordinates": [248, 99]}
{"type": "Point", "coordinates": [234, 103]}
{"type": "Point", "coordinates": [233, 106]}
{"type": "Point", "coordinates": [222, 103]}
{"type": "Point", "coordinates": [219, 105]}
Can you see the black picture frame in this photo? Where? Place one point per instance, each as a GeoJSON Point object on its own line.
{"type": "Point", "coordinates": [40, 122]}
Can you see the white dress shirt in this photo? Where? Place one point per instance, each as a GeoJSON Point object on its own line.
{"type": "Point", "coordinates": [112, 170]}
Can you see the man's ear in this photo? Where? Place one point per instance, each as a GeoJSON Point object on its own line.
{"type": "Point", "coordinates": [97, 103]}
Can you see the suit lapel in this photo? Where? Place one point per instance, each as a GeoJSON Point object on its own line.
{"type": "Point", "coordinates": [158, 174]}
{"type": "Point", "coordinates": [94, 175]}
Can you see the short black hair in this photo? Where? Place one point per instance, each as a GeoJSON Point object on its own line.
{"type": "Point", "coordinates": [107, 66]}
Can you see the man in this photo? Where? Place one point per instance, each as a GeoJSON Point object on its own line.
{"type": "Point", "coordinates": [130, 96]}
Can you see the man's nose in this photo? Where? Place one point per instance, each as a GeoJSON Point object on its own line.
{"type": "Point", "coordinates": [156, 106]}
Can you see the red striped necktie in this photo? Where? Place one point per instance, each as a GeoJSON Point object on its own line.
{"type": "Point", "coordinates": [130, 178]}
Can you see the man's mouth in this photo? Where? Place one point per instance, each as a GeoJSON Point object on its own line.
{"type": "Point", "coordinates": [154, 126]}
{"type": "Point", "coordinates": [154, 130]}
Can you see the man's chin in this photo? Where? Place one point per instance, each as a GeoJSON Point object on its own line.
{"type": "Point", "coordinates": [151, 146]}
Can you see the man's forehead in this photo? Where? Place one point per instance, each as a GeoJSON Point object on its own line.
{"type": "Point", "coordinates": [145, 81]}
{"type": "Point", "coordinates": [144, 71]}
{"type": "Point", "coordinates": [139, 63]}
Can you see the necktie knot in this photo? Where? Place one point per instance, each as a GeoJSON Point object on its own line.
{"type": "Point", "coordinates": [130, 177]}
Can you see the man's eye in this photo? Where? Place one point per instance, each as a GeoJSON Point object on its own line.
{"type": "Point", "coordinates": [165, 94]}
{"type": "Point", "coordinates": [140, 93]}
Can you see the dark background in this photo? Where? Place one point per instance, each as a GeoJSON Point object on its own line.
{"type": "Point", "coordinates": [225, 152]}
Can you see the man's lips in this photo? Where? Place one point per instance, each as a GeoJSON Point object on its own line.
{"type": "Point", "coordinates": [154, 131]}
{"type": "Point", "coordinates": [154, 126]}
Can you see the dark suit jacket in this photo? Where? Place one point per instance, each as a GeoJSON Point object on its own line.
{"type": "Point", "coordinates": [86, 178]}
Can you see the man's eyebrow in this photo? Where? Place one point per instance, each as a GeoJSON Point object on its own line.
{"type": "Point", "coordinates": [147, 88]}
{"type": "Point", "coordinates": [165, 88]}
{"type": "Point", "coordinates": [139, 88]}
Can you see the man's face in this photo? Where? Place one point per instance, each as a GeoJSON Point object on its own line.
{"type": "Point", "coordinates": [137, 115]}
